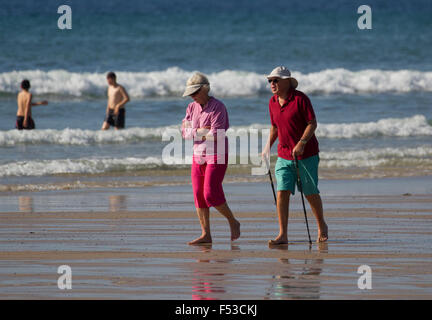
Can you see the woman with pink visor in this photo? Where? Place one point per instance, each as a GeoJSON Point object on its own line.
{"type": "Point", "coordinates": [206, 122]}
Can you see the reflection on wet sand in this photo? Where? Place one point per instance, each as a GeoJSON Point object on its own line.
{"type": "Point", "coordinates": [207, 285]}
{"type": "Point", "coordinates": [117, 203]}
{"type": "Point", "coordinates": [297, 280]}
{"type": "Point", "coordinates": [323, 247]}
{"type": "Point", "coordinates": [235, 247]}
{"type": "Point", "coordinates": [25, 204]}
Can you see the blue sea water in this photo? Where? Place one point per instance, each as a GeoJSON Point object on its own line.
{"type": "Point", "coordinates": [371, 89]}
{"type": "Point", "coordinates": [250, 35]}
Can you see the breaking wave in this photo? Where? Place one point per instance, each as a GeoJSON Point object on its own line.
{"type": "Point", "coordinates": [416, 125]}
{"type": "Point", "coordinates": [418, 157]}
{"type": "Point", "coordinates": [226, 83]}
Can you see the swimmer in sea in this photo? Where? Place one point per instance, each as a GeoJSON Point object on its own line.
{"type": "Point", "coordinates": [117, 98]}
{"type": "Point", "coordinates": [24, 114]}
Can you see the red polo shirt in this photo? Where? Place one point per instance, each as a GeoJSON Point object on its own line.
{"type": "Point", "coordinates": [291, 119]}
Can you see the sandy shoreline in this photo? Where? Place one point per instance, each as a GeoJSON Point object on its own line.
{"type": "Point", "coordinates": [149, 178]}
{"type": "Point", "coordinates": [143, 254]}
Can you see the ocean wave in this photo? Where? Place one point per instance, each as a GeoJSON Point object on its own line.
{"type": "Point", "coordinates": [378, 157]}
{"type": "Point", "coordinates": [226, 83]}
{"type": "Point", "coordinates": [416, 125]}
{"type": "Point", "coordinates": [77, 166]}
{"type": "Point", "coordinates": [418, 157]}
{"type": "Point", "coordinates": [80, 137]}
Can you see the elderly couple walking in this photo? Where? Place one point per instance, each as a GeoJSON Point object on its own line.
{"type": "Point", "coordinates": [292, 122]}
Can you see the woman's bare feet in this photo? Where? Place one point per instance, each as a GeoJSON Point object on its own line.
{"type": "Point", "coordinates": [204, 239]}
{"type": "Point", "coordinates": [235, 230]}
{"type": "Point", "coordinates": [323, 234]}
{"type": "Point", "coordinates": [279, 241]}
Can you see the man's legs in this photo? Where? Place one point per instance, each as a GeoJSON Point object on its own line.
{"type": "Point", "coordinates": [285, 179]}
{"type": "Point", "coordinates": [30, 124]}
{"type": "Point", "coordinates": [105, 126]}
{"type": "Point", "coordinates": [119, 119]}
{"type": "Point", "coordinates": [19, 123]}
{"type": "Point", "coordinates": [283, 197]}
{"type": "Point", "coordinates": [109, 121]}
{"type": "Point", "coordinates": [309, 173]}
{"type": "Point", "coordinates": [317, 209]}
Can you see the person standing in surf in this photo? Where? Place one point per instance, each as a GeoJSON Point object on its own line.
{"type": "Point", "coordinates": [117, 98]}
{"type": "Point", "coordinates": [24, 118]}
{"type": "Point", "coordinates": [293, 122]}
{"type": "Point", "coordinates": [206, 122]}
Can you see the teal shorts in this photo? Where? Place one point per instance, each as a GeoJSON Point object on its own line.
{"type": "Point", "coordinates": [286, 175]}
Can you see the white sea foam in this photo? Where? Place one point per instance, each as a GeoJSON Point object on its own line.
{"type": "Point", "coordinates": [416, 125]}
{"type": "Point", "coordinates": [82, 166]}
{"type": "Point", "coordinates": [170, 82]}
{"type": "Point", "coordinates": [376, 157]}
{"type": "Point", "coordinates": [418, 157]}
{"type": "Point", "coordinates": [392, 127]}
{"type": "Point", "coordinates": [413, 126]}
{"type": "Point", "coordinates": [79, 136]}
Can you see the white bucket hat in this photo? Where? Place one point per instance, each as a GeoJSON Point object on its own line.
{"type": "Point", "coordinates": [194, 83]}
{"type": "Point", "coordinates": [283, 73]}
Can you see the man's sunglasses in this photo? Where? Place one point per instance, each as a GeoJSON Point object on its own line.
{"type": "Point", "coordinates": [273, 80]}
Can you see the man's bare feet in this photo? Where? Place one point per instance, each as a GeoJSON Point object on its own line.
{"type": "Point", "coordinates": [322, 234]}
{"type": "Point", "coordinates": [280, 240]}
{"type": "Point", "coordinates": [235, 230]}
{"type": "Point", "coordinates": [205, 239]}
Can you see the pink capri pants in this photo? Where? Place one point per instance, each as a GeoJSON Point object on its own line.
{"type": "Point", "coordinates": [207, 184]}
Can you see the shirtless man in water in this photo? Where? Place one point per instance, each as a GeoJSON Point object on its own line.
{"type": "Point", "coordinates": [117, 98]}
{"type": "Point", "coordinates": [24, 114]}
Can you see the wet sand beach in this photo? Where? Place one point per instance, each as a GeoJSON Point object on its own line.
{"type": "Point", "coordinates": [127, 251]}
{"type": "Point", "coordinates": [116, 206]}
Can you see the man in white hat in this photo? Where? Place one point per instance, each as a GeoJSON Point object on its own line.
{"type": "Point", "coordinates": [293, 122]}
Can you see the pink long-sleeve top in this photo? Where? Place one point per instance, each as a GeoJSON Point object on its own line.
{"type": "Point", "coordinates": [215, 116]}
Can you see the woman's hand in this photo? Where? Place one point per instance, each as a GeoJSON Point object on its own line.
{"type": "Point", "coordinates": [203, 131]}
{"type": "Point", "coordinates": [186, 124]}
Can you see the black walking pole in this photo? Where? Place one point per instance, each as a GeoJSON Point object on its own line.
{"type": "Point", "coordinates": [301, 192]}
{"type": "Point", "coordinates": [271, 181]}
